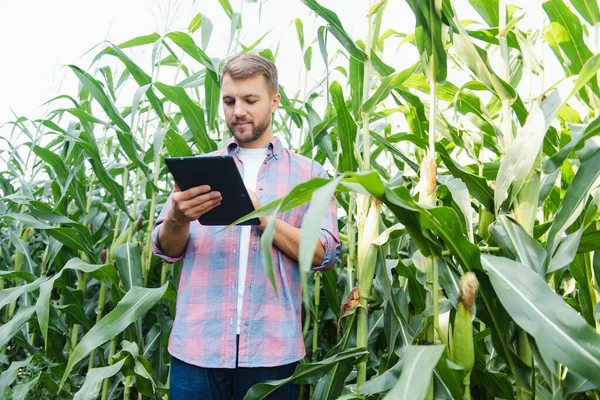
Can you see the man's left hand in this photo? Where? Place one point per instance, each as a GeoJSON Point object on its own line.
{"type": "Point", "coordinates": [256, 203]}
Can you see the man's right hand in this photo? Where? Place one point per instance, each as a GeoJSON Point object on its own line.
{"type": "Point", "coordinates": [190, 204]}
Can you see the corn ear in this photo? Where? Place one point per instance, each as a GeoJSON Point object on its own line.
{"type": "Point", "coordinates": [463, 352]}
{"type": "Point", "coordinates": [428, 175]}
{"type": "Point", "coordinates": [367, 251]}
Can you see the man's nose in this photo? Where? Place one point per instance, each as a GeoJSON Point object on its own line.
{"type": "Point", "coordinates": [238, 110]}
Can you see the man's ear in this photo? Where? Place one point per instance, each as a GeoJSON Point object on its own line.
{"type": "Point", "coordinates": [275, 102]}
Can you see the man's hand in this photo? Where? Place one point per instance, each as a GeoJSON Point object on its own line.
{"type": "Point", "coordinates": [257, 205]}
{"type": "Point", "coordinates": [189, 205]}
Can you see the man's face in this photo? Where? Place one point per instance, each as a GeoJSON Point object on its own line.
{"type": "Point", "coordinates": [248, 105]}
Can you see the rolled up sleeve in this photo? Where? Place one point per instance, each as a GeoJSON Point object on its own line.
{"type": "Point", "coordinates": [155, 244]}
{"type": "Point", "coordinates": [329, 236]}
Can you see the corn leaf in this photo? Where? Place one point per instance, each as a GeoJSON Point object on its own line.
{"type": "Point", "coordinates": [559, 331]}
{"type": "Point", "coordinates": [336, 28]}
{"type": "Point", "coordinates": [136, 302]}
{"type": "Point", "coordinates": [418, 364]}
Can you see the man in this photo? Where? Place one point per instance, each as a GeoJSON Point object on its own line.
{"type": "Point", "coordinates": [232, 330]}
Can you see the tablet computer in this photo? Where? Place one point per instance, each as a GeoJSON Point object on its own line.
{"type": "Point", "coordinates": [222, 175]}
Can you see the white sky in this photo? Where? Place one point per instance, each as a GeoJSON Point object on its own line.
{"type": "Point", "coordinates": [39, 38]}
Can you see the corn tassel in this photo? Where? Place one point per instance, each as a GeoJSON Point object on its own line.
{"type": "Point", "coordinates": [463, 351]}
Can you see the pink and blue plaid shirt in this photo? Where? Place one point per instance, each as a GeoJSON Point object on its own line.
{"type": "Point", "coordinates": [204, 330]}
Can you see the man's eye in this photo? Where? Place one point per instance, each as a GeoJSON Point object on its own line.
{"type": "Point", "coordinates": [251, 101]}
{"type": "Point", "coordinates": [228, 102]}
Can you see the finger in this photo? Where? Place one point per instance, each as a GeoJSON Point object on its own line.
{"type": "Point", "coordinates": [203, 208]}
{"type": "Point", "coordinates": [176, 188]}
{"type": "Point", "coordinates": [195, 191]}
{"type": "Point", "coordinates": [203, 198]}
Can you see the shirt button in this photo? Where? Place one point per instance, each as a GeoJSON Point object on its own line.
{"type": "Point", "coordinates": [265, 163]}
{"type": "Point", "coordinates": [250, 285]}
{"type": "Point", "coordinates": [246, 323]}
{"type": "Point", "coordinates": [260, 188]}
{"type": "Point", "coordinates": [254, 247]}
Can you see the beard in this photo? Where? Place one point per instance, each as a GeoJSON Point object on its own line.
{"type": "Point", "coordinates": [258, 129]}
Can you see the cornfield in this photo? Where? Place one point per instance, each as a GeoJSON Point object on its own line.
{"type": "Point", "coordinates": [468, 210]}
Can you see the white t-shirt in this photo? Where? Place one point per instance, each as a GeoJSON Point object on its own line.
{"type": "Point", "coordinates": [252, 160]}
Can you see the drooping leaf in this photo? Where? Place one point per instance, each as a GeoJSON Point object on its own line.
{"type": "Point", "coordinates": [559, 331]}
{"type": "Point", "coordinates": [417, 367]}
{"type": "Point", "coordinates": [336, 28]}
{"type": "Point", "coordinates": [94, 378]}
{"type": "Point", "coordinates": [192, 114]}
{"type": "Point", "coordinates": [136, 302]}
{"type": "Point", "coordinates": [575, 197]}
{"type": "Point", "coordinates": [304, 373]}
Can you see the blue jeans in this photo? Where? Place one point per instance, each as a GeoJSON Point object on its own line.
{"type": "Point", "coordinates": [192, 382]}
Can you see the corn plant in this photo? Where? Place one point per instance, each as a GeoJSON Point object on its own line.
{"type": "Point", "coordinates": [467, 187]}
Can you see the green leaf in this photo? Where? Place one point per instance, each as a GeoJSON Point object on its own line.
{"type": "Point", "coordinates": [429, 38]}
{"type": "Point", "coordinates": [192, 114]}
{"type": "Point", "coordinates": [375, 8]}
{"type": "Point", "coordinates": [520, 157]}
{"type": "Point", "coordinates": [299, 195]}
{"type": "Point", "coordinates": [266, 245]}
{"type": "Point", "coordinates": [590, 241]}
{"type": "Point", "coordinates": [42, 306]}
{"type": "Point", "coordinates": [287, 106]}
{"type": "Point", "coordinates": [387, 84]}
{"type": "Point", "coordinates": [94, 378]}
{"type": "Point", "coordinates": [97, 92]}
{"type": "Point", "coordinates": [476, 185]}
{"type": "Point", "coordinates": [417, 366]}
{"type": "Point", "coordinates": [304, 373]}
{"type": "Point", "coordinates": [142, 79]}
{"type": "Point", "coordinates": [346, 129]}
{"type": "Point", "coordinates": [195, 24]}
{"type": "Point", "coordinates": [336, 28]}
{"type": "Point", "coordinates": [212, 95]}
{"type": "Point", "coordinates": [187, 44]}
{"type": "Point", "coordinates": [560, 332]}
{"type": "Point", "coordinates": [21, 390]}
{"type": "Point", "coordinates": [513, 239]}
{"type": "Point", "coordinates": [129, 265]}
{"type": "Point", "coordinates": [476, 59]}
{"type": "Point", "coordinates": [9, 375]}
{"type": "Point", "coordinates": [574, 199]}
{"type": "Point", "coordinates": [312, 221]}
{"type": "Point", "coordinates": [10, 295]}
{"type": "Point", "coordinates": [226, 7]}
{"type": "Point", "coordinates": [308, 58]}
{"type": "Point", "coordinates": [565, 252]}
{"type": "Point", "coordinates": [299, 32]}
{"type": "Point", "coordinates": [136, 302]}
{"type": "Point", "coordinates": [356, 81]}
{"type": "Point", "coordinates": [140, 41]}
{"type": "Point", "coordinates": [9, 329]}
{"type": "Point", "coordinates": [489, 11]}
{"type": "Point", "coordinates": [589, 10]}
{"type": "Point", "coordinates": [565, 37]}
{"type": "Point", "coordinates": [176, 145]}
{"type": "Point", "coordinates": [383, 382]}
{"type": "Point", "coordinates": [579, 134]}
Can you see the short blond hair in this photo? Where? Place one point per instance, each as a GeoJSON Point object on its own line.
{"type": "Point", "coordinates": [248, 65]}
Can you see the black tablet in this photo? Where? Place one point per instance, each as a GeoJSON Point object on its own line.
{"type": "Point", "coordinates": [222, 175]}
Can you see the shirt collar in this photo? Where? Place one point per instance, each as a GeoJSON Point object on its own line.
{"type": "Point", "coordinates": [274, 148]}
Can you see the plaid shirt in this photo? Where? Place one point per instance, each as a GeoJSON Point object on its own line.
{"type": "Point", "coordinates": [204, 330]}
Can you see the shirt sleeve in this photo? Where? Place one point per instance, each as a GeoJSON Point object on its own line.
{"type": "Point", "coordinates": [157, 225]}
{"type": "Point", "coordinates": [329, 236]}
